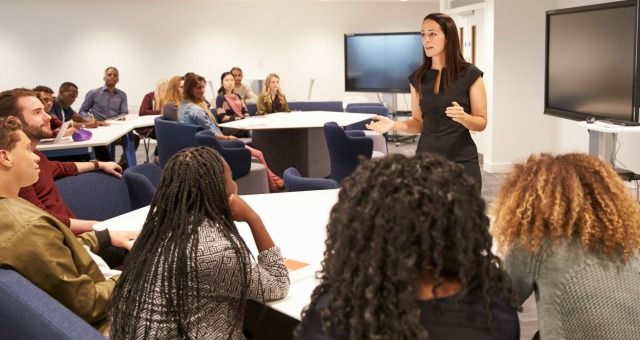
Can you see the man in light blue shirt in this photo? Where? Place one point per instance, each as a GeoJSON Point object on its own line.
{"type": "Point", "coordinates": [107, 102]}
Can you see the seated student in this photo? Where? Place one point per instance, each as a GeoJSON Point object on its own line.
{"type": "Point", "coordinates": [241, 89]}
{"type": "Point", "coordinates": [408, 254]}
{"type": "Point", "coordinates": [151, 102]}
{"type": "Point", "coordinates": [229, 106]}
{"type": "Point", "coordinates": [107, 102]}
{"type": "Point", "coordinates": [571, 233]}
{"type": "Point", "coordinates": [60, 108]}
{"type": "Point", "coordinates": [194, 110]}
{"type": "Point", "coordinates": [39, 247]}
{"type": "Point", "coordinates": [151, 105]}
{"type": "Point", "coordinates": [172, 98]}
{"type": "Point", "coordinates": [272, 100]}
{"type": "Point", "coordinates": [45, 94]}
{"type": "Point", "coordinates": [190, 273]}
{"type": "Point", "coordinates": [67, 94]}
{"type": "Point", "coordinates": [23, 104]}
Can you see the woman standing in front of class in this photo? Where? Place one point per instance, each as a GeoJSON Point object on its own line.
{"type": "Point", "coordinates": [448, 98]}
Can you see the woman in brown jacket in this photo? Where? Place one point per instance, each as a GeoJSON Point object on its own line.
{"type": "Point", "coordinates": [272, 100]}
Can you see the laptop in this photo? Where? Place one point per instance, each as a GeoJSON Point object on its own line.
{"type": "Point", "coordinates": [60, 134]}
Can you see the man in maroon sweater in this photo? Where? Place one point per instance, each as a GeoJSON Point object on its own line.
{"type": "Point", "coordinates": [24, 104]}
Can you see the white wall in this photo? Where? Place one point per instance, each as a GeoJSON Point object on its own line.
{"type": "Point", "coordinates": [468, 20]}
{"type": "Point", "coordinates": [48, 42]}
{"type": "Point", "coordinates": [517, 125]}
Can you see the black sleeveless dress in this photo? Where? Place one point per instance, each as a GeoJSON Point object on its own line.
{"type": "Point", "coordinates": [440, 134]}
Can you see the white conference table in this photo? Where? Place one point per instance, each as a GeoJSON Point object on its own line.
{"type": "Point", "coordinates": [295, 138]}
{"type": "Point", "coordinates": [101, 136]}
{"type": "Point", "coordinates": [296, 222]}
{"type": "Point", "coordinates": [136, 121]}
{"type": "Point", "coordinates": [106, 135]}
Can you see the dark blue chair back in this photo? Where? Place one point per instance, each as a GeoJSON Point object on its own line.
{"type": "Point", "coordinates": [252, 108]}
{"type": "Point", "coordinates": [95, 195]}
{"type": "Point", "coordinates": [293, 181]}
{"type": "Point", "coordinates": [334, 106]}
{"type": "Point", "coordinates": [351, 107]}
{"type": "Point", "coordinates": [344, 150]}
{"type": "Point", "coordinates": [373, 108]}
{"type": "Point", "coordinates": [27, 312]}
{"type": "Point", "coordinates": [142, 181]}
{"type": "Point", "coordinates": [173, 137]}
{"type": "Point", "coordinates": [233, 151]}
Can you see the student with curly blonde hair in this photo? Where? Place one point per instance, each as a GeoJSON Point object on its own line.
{"type": "Point", "coordinates": [570, 231]}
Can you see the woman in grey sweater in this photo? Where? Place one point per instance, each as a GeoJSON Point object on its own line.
{"type": "Point", "coordinates": [570, 232]}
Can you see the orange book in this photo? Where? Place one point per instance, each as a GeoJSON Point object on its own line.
{"type": "Point", "coordinates": [293, 265]}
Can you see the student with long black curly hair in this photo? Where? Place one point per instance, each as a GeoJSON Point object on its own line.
{"type": "Point", "coordinates": [408, 256]}
{"type": "Point", "coordinates": [190, 273]}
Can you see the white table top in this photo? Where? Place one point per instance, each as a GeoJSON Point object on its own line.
{"type": "Point", "coordinates": [136, 121]}
{"type": "Point", "coordinates": [296, 222]}
{"type": "Point", "coordinates": [609, 128]}
{"type": "Point", "coordinates": [103, 135]}
{"type": "Point", "coordinates": [297, 120]}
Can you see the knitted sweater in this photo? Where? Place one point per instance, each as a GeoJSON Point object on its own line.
{"type": "Point", "coordinates": [580, 294]}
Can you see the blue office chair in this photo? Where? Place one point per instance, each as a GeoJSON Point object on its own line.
{"type": "Point", "coordinates": [373, 108]}
{"type": "Point", "coordinates": [379, 140]}
{"type": "Point", "coordinates": [252, 108]}
{"type": "Point", "coordinates": [345, 149]}
{"type": "Point", "coordinates": [334, 106]}
{"type": "Point", "coordinates": [27, 312]}
{"type": "Point", "coordinates": [233, 151]}
{"type": "Point", "coordinates": [351, 107]}
{"type": "Point", "coordinates": [250, 177]}
{"type": "Point", "coordinates": [173, 137]}
{"type": "Point", "coordinates": [95, 195]}
{"type": "Point", "coordinates": [142, 181]}
{"type": "Point", "coordinates": [293, 181]}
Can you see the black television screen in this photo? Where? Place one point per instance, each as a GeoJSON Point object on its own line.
{"type": "Point", "coordinates": [591, 62]}
{"type": "Point", "coordinates": [381, 62]}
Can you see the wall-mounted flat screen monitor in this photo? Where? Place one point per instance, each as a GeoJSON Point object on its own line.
{"type": "Point", "coordinates": [591, 62]}
{"type": "Point", "coordinates": [381, 62]}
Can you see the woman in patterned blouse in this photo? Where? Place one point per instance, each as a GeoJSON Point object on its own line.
{"type": "Point", "coordinates": [190, 272]}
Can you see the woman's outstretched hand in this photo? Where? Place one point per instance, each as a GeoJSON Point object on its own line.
{"type": "Point", "coordinates": [381, 124]}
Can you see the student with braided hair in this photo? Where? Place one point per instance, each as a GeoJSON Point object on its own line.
{"type": "Point", "coordinates": [408, 256]}
{"type": "Point", "coordinates": [195, 110]}
{"type": "Point", "coordinates": [570, 231]}
{"type": "Point", "coordinates": [190, 273]}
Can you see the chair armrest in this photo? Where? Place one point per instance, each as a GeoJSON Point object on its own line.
{"type": "Point", "coordinates": [354, 133]}
{"type": "Point", "coordinates": [239, 160]}
{"type": "Point", "coordinates": [232, 143]}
